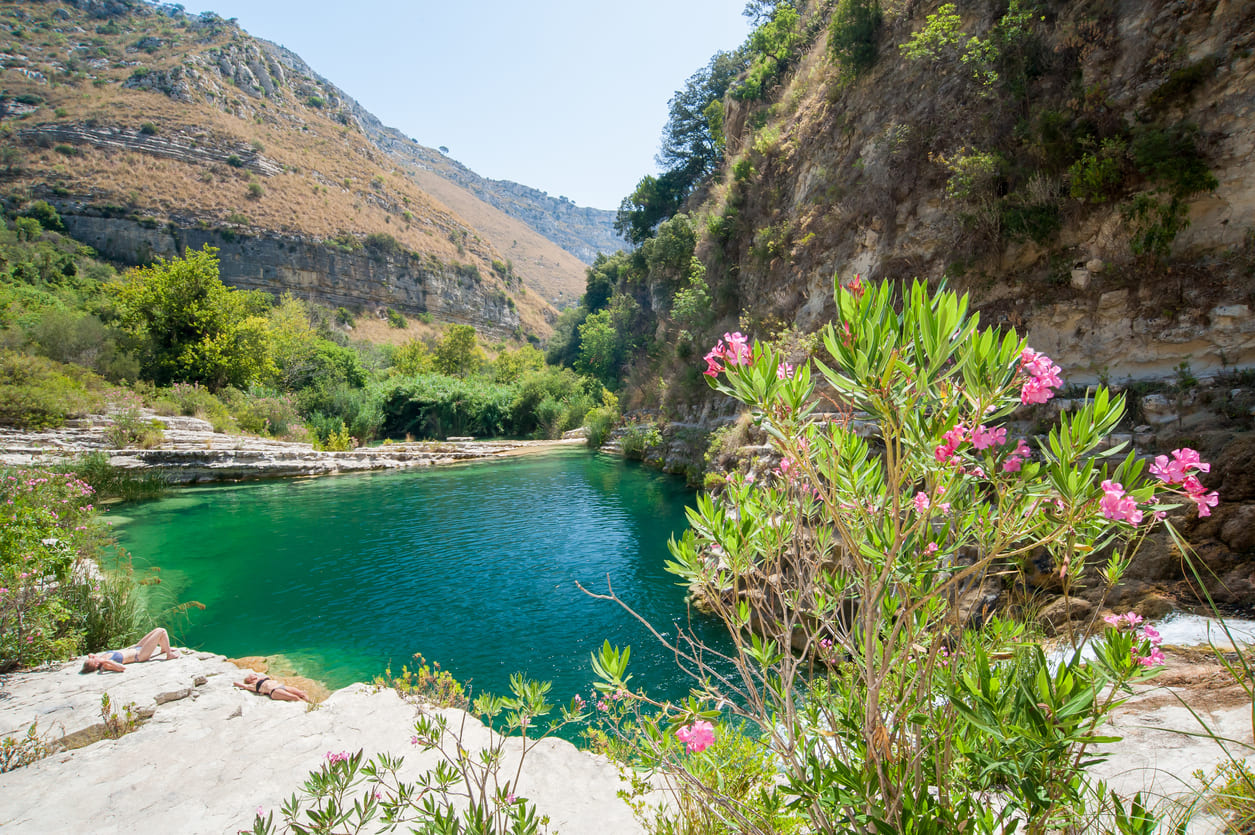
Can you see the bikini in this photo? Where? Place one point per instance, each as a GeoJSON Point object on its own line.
{"type": "Point", "coordinates": [257, 686]}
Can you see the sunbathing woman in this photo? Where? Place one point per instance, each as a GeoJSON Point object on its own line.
{"type": "Point", "coordinates": [144, 650]}
{"type": "Point", "coordinates": [268, 686]}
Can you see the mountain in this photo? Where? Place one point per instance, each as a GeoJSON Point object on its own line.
{"type": "Point", "coordinates": [151, 130]}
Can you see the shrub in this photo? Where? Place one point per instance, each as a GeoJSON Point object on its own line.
{"type": "Point", "coordinates": [110, 482]}
{"type": "Point", "coordinates": [50, 537]}
{"type": "Point", "coordinates": [129, 429]}
{"type": "Point", "coordinates": [148, 129]}
{"type": "Point", "coordinates": [837, 575]}
{"type": "Point", "coordinates": [234, 161]}
{"type": "Point", "coordinates": [427, 684]}
{"type": "Point", "coordinates": [853, 32]}
{"type": "Point", "coordinates": [47, 216]}
{"type": "Point", "coordinates": [255, 191]}
{"type": "Point", "coordinates": [36, 393]}
{"type": "Point", "coordinates": [395, 319]}
{"type": "Point", "coordinates": [638, 439]}
{"type": "Point", "coordinates": [1099, 175]}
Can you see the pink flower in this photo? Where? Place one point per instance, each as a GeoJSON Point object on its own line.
{"type": "Point", "coordinates": [1155, 658]}
{"type": "Point", "coordinates": [944, 508]}
{"type": "Point", "coordinates": [1116, 505]}
{"type": "Point", "coordinates": [1174, 471]}
{"type": "Point", "coordinates": [1035, 391]}
{"type": "Point", "coordinates": [1204, 503]}
{"type": "Point", "coordinates": [713, 367]}
{"type": "Point", "coordinates": [1133, 618]}
{"type": "Point", "coordinates": [921, 502]}
{"type": "Point", "coordinates": [956, 436]}
{"type": "Point", "coordinates": [1012, 464]}
{"type": "Point", "coordinates": [697, 737]}
{"type": "Point", "coordinates": [930, 548]}
{"type": "Point", "coordinates": [856, 286]}
{"type": "Point", "coordinates": [784, 371]}
{"type": "Point", "coordinates": [983, 437]}
{"type": "Point", "coordinates": [1113, 620]}
{"type": "Point", "coordinates": [1043, 377]}
{"type": "Point", "coordinates": [943, 453]}
{"type": "Point", "coordinates": [738, 351]}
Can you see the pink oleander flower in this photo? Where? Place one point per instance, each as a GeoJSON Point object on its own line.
{"type": "Point", "coordinates": [983, 437]}
{"type": "Point", "coordinates": [738, 351]}
{"type": "Point", "coordinates": [1012, 464]}
{"type": "Point", "coordinates": [1155, 658]}
{"type": "Point", "coordinates": [930, 548]}
{"type": "Point", "coordinates": [697, 737]}
{"type": "Point", "coordinates": [1043, 377]}
{"type": "Point", "coordinates": [944, 508]}
{"type": "Point", "coordinates": [921, 502]}
{"type": "Point", "coordinates": [784, 371]}
{"type": "Point", "coordinates": [1118, 506]}
{"type": "Point", "coordinates": [1132, 618]}
{"type": "Point", "coordinates": [956, 436]}
{"type": "Point", "coordinates": [856, 287]}
{"type": "Point", "coordinates": [1204, 503]}
{"type": "Point", "coordinates": [1035, 391]}
{"type": "Point", "coordinates": [1176, 470]}
{"type": "Point", "coordinates": [943, 453]}
{"type": "Point", "coordinates": [510, 799]}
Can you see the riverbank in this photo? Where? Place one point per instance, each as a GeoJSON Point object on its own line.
{"type": "Point", "coordinates": [191, 452]}
{"type": "Point", "coordinates": [210, 755]}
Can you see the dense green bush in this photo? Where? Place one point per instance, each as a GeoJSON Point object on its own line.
{"type": "Point", "coordinates": [436, 406]}
{"type": "Point", "coordinates": [36, 393]}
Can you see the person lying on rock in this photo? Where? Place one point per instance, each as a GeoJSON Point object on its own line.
{"type": "Point", "coordinates": [268, 686]}
{"type": "Point", "coordinates": [144, 650]}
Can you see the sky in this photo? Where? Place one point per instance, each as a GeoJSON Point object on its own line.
{"type": "Point", "coordinates": [567, 96]}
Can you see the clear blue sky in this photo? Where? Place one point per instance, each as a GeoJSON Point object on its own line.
{"type": "Point", "coordinates": [568, 96]}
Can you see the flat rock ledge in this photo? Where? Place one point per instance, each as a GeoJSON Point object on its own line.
{"type": "Point", "coordinates": [212, 755]}
{"type": "Point", "coordinates": [191, 452]}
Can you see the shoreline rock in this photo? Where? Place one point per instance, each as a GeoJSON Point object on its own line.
{"type": "Point", "coordinates": [211, 755]}
{"type": "Point", "coordinates": [192, 453]}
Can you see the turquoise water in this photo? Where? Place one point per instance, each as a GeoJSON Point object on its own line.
{"type": "Point", "coordinates": [474, 567]}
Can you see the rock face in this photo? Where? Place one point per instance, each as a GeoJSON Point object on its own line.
{"type": "Point", "coordinates": [310, 269]}
{"type": "Point", "coordinates": [211, 755]}
{"type": "Point", "coordinates": [191, 452]}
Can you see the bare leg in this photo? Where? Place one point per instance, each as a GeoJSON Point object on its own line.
{"type": "Point", "coordinates": [288, 694]}
{"type": "Point", "coordinates": [150, 642]}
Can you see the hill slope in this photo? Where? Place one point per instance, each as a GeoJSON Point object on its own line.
{"type": "Point", "coordinates": [151, 130]}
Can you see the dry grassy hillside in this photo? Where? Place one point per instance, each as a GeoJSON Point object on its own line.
{"type": "Point", "coordinates": [148, 112]}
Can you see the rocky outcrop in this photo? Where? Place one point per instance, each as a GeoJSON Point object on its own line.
{"type": "Point", "coordinates": [309, 268]}
{"type": "Point", "coordinates": [181, 147]}
{"type": "Point", "coordinates": [191, 452]}
{"type": "Point", "coordinates": [212, 756]}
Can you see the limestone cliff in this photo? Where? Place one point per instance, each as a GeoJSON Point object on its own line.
{"type": "Point", "coordinates": [1086, 170]}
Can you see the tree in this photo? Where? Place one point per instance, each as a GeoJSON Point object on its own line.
{"type": "Point", "coordinates": [689, 142]}
{"type": "Point", "coordinates": [414, 357]}
{"type": "Point", "coordinates": [654, 200]}
{"type": "Point", "coordinates": [191, 327]}
{"type": "Point", "coordinates": [852, 34]}
{"type": "Point", "coordinates": [458, 354]}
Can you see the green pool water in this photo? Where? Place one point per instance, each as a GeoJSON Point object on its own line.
{"type": "Point", "coordinates": [474, 567]}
